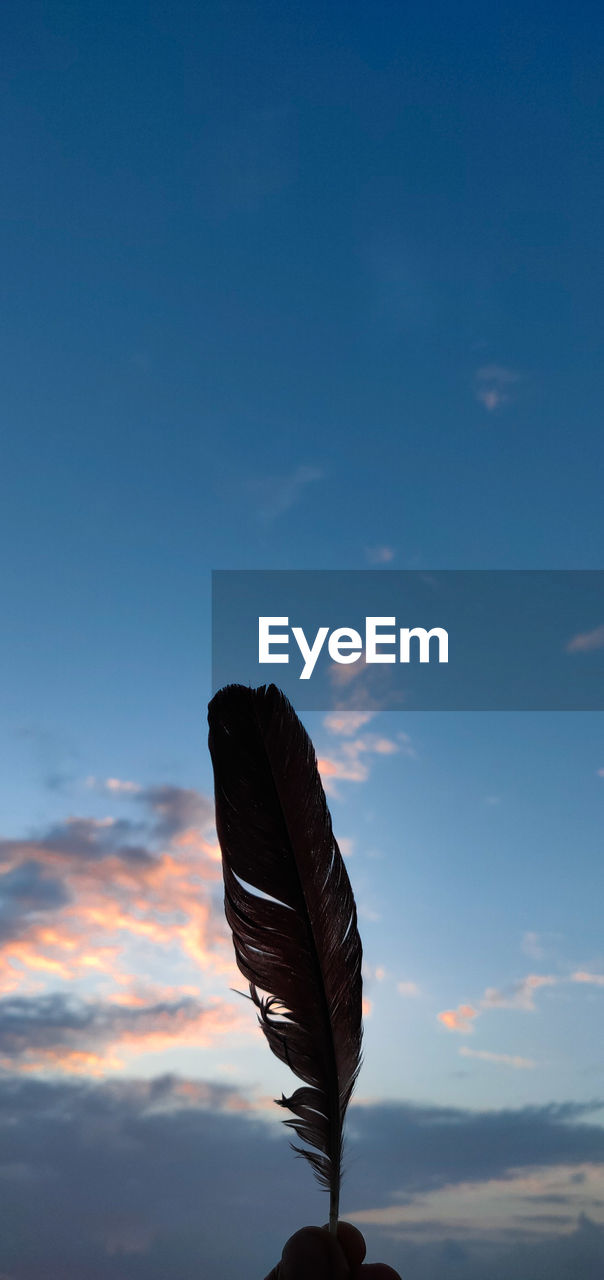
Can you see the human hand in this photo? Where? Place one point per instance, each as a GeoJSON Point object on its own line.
{"type": "Point", "coordinates": [314, 1254]}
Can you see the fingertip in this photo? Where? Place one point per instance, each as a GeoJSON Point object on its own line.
{"type": "Point", "coordinates": [351, 1242]}
{"type": "Point", "coordinates": [309, 1252]}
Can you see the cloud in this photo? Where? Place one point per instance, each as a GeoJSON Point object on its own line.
{"type": "Point", "coordinates": [594, 979]}
{"type": "Point", "coordinates": [115, 888]}
{"type": "Point", "coordinates": [55, 756]}
{"type": "Point", "coordinates": [493, 385]}
{"type": "Point", "coordinates": [459, 1019]}
{"type": "Point", "coordinates": [155, 1173]}
{"type": "Point", "coordinates": [373, 973]}
{"type": "Point", "coordinates": [347, 723]}
{"type": "Point", "coordinates": [519, 995]}
{"type": "Point", "coordinates": [586, 641]}
{"type": "Point", "coordinates": [275, 495]}
{"type": "Point", "coordinates": [176, 809]}
{"type": "Point", "coordinates": [532, 946]}
{"type": "Point", "coordinates": [350, 763]}
{"type": "Point", "coordinates": [27, 891]}
{"type": "Point", "coordinates": [115, 786]}
{"type": "Point", "coordinates": [502, 1059]}
{"type": "Point", "coordinates": [121, 787]}
{"type": "Point", "coordinates": [380, 555]}
{"type": "Point", "coordinates": [409, 989]}
{"type": "Point", "coordinates": [362, 686]}
{"type": "Point", "coordinates": [411, 1149]}
{"type": "Point", "coordinates": [64, 1032]}
{"type": "Point", "coordinates": [81, 839]}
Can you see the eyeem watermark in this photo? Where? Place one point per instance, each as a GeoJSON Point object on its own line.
{"type": "Point", "coordinates": [382, 642]}
{"type": "Point", "coordinates": [414, 640]}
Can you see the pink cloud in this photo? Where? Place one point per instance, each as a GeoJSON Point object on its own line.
{"type": "Point", "coordinates": [593, 979]}
{"type": "Point", "coordinates": [110, 896]}
{"type": "Point", "coordinates": [459, 1019]}
{"type": "Point", "coordinates": [56, 1032]}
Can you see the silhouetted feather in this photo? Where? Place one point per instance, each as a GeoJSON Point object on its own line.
{"type": "Point", "coordinates": [300, 946]}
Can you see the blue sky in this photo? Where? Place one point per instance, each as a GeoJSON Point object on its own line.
{"type": "Point", "coordinates": [292, 287]}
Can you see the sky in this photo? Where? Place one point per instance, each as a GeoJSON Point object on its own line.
{"type": "Point", "coordinates": [293, 287]}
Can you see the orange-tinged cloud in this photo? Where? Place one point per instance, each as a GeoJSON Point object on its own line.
{"type": "Point", "coordinates": [518, 995]}
{"type": "Point", "coordinates": [55, 1033]}
{"type": "Point", "coordinates": [98, 898]}
{"type": "Point", "coordinates": [459, 1019]}
{"type": "Point", "coordinates": [351, 762]}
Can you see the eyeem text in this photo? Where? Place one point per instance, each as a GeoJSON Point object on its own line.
{"type": "Point", "coordinates": [382, 642]}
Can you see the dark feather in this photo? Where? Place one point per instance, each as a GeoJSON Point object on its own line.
{"type": "Point", "coordinates": [299, 947]}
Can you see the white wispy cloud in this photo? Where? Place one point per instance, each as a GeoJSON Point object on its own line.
{"type": "Point", "coordinates": [493, 385]}
{"type": "Point", "coordinates": [116, 786]}
{"type": "Point", "coordinates": [531, 945]}
{"type": "Point", "coordinates": [518, 995]}
{"type": "Point", "coordinates": [379, 555]}
{"type": "Point", "coordinates": [586, 641]}
{"type": "Point", "coordinates": [408, 989]}
{"type": "Point", "coordinates": [347, 723]}
{"type": "Point", "coordinates": [346, 846]}
{"type": "Point", "coordinates": [501, 1059]}
{"type": "Point", "coordinates": [276, 494]}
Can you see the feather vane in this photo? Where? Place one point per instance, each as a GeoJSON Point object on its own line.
{"type": "Point", "coordinates": [299, 945]}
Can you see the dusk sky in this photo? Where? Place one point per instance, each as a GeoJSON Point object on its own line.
{"type": "Point", "coordinates": [293, 286]}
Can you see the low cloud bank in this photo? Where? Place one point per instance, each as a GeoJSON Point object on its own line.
{"type": "Point", "coordinates": [183, 1178]}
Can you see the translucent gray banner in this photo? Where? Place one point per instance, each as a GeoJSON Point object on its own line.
{"type": "Point", "coordinates": [452, 640]}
